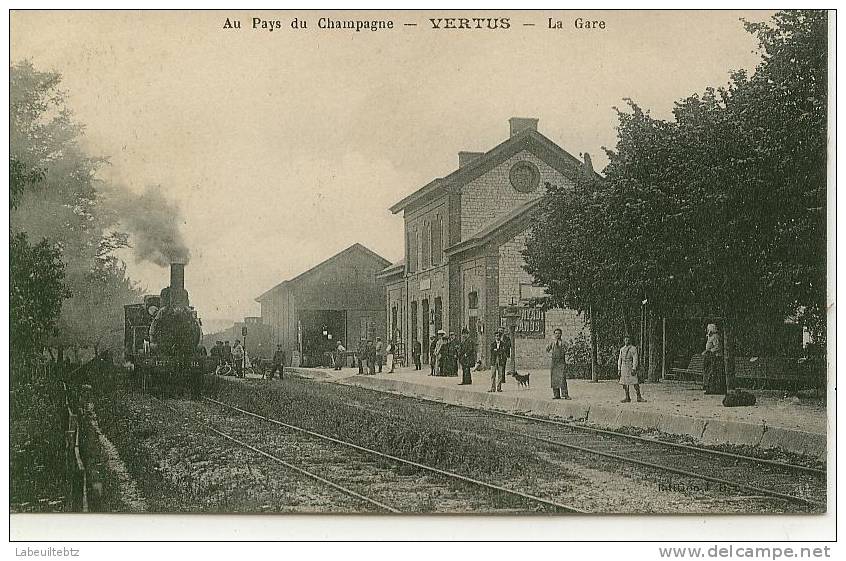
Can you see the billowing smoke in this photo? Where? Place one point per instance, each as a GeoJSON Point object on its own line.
{"type": "Point", "coordinates": [153, 221]}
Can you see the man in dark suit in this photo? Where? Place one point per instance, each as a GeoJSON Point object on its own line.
{"type": "Point", "coordinates": [416, 350]}
{"type": "Point", "coordinates": [370, 357]}
{"type": "Point", "coordinates": [278, 363]}
{"type": "Point", "coordinates": [359, 355]}
{"type": "Point", "coordinates": [466, 356]}
{"type": "Point", "coordinates": [500, 351]}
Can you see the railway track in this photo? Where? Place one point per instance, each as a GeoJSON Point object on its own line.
{"type": "Point", "coordinates": [741, 478]}
{"type": "Point", "coordinates": [756, 477]}
{"type": "Point", "coordinates": [442, 491]}
{"type": "Point", "coordinates": [378, 506]}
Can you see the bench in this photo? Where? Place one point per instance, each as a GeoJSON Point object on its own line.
{"type": "Point", "coordinates": [763, 372]}
{"type": "Point", "coordinates": [758, 372]}
{"type": "Point", "coordinates": [694, 371]}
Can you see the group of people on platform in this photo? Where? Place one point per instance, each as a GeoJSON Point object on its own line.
{"type": "Point", "coordinates": [236, 356]}
{"type": "Point", "coordinates": [447, 353]}
{"type": "Point", "coordinates": [225, 354]}
{"type": "Point", "coordinates": [221, 352]}
{"type": "Point", "coordinates": [371, 356]}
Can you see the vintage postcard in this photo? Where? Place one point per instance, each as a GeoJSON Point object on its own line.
{"type": "Point", "coordinates": [423, 262]}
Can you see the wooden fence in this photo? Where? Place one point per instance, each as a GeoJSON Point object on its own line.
{"type": "Point", "coordinates": [76, 475]}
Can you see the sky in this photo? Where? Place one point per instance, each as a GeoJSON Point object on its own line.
{"type": "Point", "coordinates": [283, 147]}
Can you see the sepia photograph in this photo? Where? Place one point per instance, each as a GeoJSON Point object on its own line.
{"type": "Point", "coordinates": [543, 263]}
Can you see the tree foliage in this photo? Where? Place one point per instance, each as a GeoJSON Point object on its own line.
{"type": "Point", "coordinates": [720, 210]}
{"type": "Point", "coordinates": [36, 291]}
{"type": "Point", "coordinates": [55, 196]}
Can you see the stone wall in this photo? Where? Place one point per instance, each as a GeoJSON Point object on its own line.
{"type": "Point", "coordinates": [491, 195]}
{"type": "Point", "coordinates": [531, 351]}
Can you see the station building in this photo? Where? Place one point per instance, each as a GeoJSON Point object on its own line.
{"type": "Point", "coordinates": [338, 299]}
{"type": "Point", "coordinates": [464, 234]}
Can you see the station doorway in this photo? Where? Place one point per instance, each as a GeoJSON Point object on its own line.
{"type": "Point", "coordinates": [321, 330]}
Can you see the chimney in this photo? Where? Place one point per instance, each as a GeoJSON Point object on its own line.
{"type": "Point", "coordinates": [587, 167]}
{"type": "Point", "coordinates": [519, 124]}
{"type": "Point", "coordinates": [465, 158]}
{"type": "Point", "coordinates": [178, 294]}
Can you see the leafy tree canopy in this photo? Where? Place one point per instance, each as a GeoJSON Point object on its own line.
{"type": "Point", "coordinates": [719, 211]}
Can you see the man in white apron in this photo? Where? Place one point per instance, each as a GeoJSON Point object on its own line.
{"type": "Point", "coordinates": [627, 364]}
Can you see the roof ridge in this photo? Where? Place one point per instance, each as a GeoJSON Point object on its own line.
{"type": "Point", "coordinates": [483, 160]}
{"type": "Point", "coordinates": [356, 245]}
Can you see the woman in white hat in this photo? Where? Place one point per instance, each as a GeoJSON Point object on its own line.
{"type": "Point", "coordinates": [713, 376]}
{"type": "Point", "coordinates": [440, 348]}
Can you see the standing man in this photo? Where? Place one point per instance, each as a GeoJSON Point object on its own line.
{"type": "Point", "coordinates": [238, 357]}
{"type": "Point", "coordinates": [227, 353]}
{"type": "Point", "coordinates": [359, 355]}
{"type": "Point", "coordinates": [390, 351]}
{"type": "Point", "coordinates": [500, 351]}
{"type": "Point", "coordinates": [370, 357]}
{"type": "Point", "coordinates": [466, 356]}
{"type": "Point", "coordinates": [214, 354]}
{"type": "Point", "coordinates": [416, 351]}
{"type": "Point", "coordinates": [380, 353]}
{"type": "Point", "coordinates": [278, 363]}
{"type": "Point", "coordinates": [627, 364]}
{"type": "Point", "coordinates": [452, 349]}
{"type": "Point", "coordinates": [557, 369]}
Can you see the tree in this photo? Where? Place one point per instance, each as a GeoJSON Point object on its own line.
{"type": "Point", "coordinates": [720, 211]}
{"type": "Point", "coordinates": [55, 195]}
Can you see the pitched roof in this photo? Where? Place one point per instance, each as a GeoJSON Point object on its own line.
{"type": "Point", "coordinates": [354, 247]}
{"type": "Point", "coordinates": [529, 139]}
{"type": "Point", "coordinates": [515, 220]}
{"type": "Point", "coordinates": [398, 267]}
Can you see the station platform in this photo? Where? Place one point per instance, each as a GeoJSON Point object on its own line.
{"type": "Point", "coordinates": [795, 425]}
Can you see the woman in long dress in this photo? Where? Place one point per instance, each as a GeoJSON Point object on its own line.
{"type": "Point", "coordinates": [438, 358]}
{"type": "Point", "coordinates": [714, 375]}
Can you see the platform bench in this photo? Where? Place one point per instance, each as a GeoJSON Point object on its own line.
{"type": "Point", "coordinates": [695, 370]}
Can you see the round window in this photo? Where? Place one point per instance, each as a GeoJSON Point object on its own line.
{"type": "Point", "coordinates": [524, 176]}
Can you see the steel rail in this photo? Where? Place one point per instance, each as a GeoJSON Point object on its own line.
{"type": "Point", "coordinates": [288, 465]}
{"type": "Point", "coordinates": [677, 471]}
{"type": "Point", "coordinates": [725, 482]}
{"type": "Point", "coordinates": [576, 426]}
{"type": "Point", "coordinates": [424, 467]}
{"type": "Point", "coordinates": [687, 447]}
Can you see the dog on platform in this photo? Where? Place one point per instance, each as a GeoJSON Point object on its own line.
{"type": "Point", "coordinates": [522, 379]}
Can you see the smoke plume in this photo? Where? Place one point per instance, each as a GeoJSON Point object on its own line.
{"type": "Point", "coordinates": [153, 221]}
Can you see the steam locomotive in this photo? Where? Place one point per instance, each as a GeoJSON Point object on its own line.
{"type": "Point", "coordinates": [162, 339]}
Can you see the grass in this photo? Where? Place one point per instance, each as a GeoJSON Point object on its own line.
{"type": "Point", "coordinates": [180, 468]}
{"type": "Point", "coordinates": [36, 447]}
{"type": "Point", "coordinates": [412, 434]}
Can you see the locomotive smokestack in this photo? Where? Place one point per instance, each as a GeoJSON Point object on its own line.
{"type": "Point", "coordinates": [177, 276]}
{"type": "Point", "coordinates": [178, 294]}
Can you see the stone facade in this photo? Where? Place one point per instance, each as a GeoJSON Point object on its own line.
{"type": "Point", "coordinates": [465, 234]}
{"type": "Point", "coordinates": [492, 194]}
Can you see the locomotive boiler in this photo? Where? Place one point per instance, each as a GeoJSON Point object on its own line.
{"type": "Point", "coordinates": [162, 337]}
